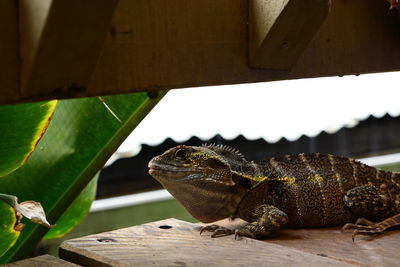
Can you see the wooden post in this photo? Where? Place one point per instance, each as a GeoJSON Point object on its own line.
{"type": "Point", "coordinates": [60, 43]}
{"type": "Point", "coordinates": [280, 30]}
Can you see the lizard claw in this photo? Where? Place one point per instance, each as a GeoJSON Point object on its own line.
{"type": "Point", "coordinates": [217, 231]}
{"type": "Point", "coordinates": [209, 228]}
{"type": "Point", "coordinates": [363, 227]}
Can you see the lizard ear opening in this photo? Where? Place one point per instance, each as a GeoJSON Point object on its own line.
{"type": "Point", "coordinates": [217, 164]}
{"type": "Point", "coordinates": [223, 171]}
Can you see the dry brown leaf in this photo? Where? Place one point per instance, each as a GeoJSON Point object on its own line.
{"type": "Point", "coordinates": [30, 209]}
{"type": "Point", "coordinates": [33, 211]}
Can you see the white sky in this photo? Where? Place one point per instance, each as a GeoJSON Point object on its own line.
{"type": "Point", "coordinates": [268, 110]}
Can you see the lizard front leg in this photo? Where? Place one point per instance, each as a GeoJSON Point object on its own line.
{"type": "Point", "coordinates": [263, 221]}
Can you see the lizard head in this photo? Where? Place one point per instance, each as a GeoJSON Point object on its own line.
{"type": "Point", "coordinates": [200, 178]}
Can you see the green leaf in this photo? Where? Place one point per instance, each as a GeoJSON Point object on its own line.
{"type": "Point", "coordinates": [7, 232]}
{"type": "Point", "coordinates": [22, 126]}
{"type": "Point", "coordinates": [29, 209]}
{"type": "Point", "coordinates": [81, 137]}
{"type": "Point", "coordinates": [76, 212]}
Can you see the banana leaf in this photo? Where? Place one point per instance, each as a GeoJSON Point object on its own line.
{"type": "Point", "coordinates": [76, 212]}
{"type": "Point", "coordinates": [82, 135]}
{"type": "Point", "coordinates": [8, 233]}
{"type": "Point", "coordinates": [21, 126]}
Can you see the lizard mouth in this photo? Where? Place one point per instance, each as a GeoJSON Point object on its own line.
{"type": "Point", "coordinates": [156, 169]}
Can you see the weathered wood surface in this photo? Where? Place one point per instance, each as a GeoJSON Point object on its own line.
{"type": "Point", "coordinates": [60, 43]}
{"type": "Point", "coordinates": [334, 244]}
{"type": "Point", "coordinates": [41, 261]}
{"type": "Point", "coordinates": [280, 30]}
{"type": "Point", "coordinates": [176, 243]}
{"type": "Point", "coordinates": [160, 44]}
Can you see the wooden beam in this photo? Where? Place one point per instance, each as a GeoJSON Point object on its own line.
{"type": "Point", "coordinates": [280, 30]}
{"type": "Point", "coordinates": [61, 41]}
{"type": "Point", "coordinates": [160, 44]}
{"type": "Point", "coordinates": [9, 65]}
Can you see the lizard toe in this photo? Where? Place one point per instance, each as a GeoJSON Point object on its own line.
{"type": "Point", "coordinates": [216, 230]}
{"type": "Point", "coordinates": [360, 224]}
{"type": "Point", "coordinates": [239, 233]}
{"type": "Point", "coordinates": [368, 232]}
{"type": "Point", "coordinates": [209, 228]}
{"type": "Point", "coordinates": [222, 232]}
{"type": "Point", "coordinates": [364, 227]}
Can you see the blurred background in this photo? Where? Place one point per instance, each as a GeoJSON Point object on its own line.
{"type": "Point", "coordinates": [353, 116]}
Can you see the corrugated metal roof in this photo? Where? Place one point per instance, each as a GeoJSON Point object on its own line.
{"type": "Point", "coordinates": [370, 138]}
{"type": "Point", "coordinates": [273, 110]}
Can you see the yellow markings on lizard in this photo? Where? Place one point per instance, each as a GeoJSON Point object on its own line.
{"type": "Point", "coordinates": [287, 180]}
{"type": "Point", "coordinates": [315, 179]}
{"type": "Point", "coordinates": [198, 159]}
{"type": "Point", "coordinates": [254, 178]}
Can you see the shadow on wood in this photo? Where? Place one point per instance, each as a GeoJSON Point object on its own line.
{"type": "Point", "coordinates": [279, 31]}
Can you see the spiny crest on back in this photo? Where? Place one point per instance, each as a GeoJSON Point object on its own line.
{"type": "Point", "coordinates": [226, 151]}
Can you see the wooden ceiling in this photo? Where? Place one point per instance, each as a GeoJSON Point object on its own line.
{"type": "Point", "coordinates": [69, 48]}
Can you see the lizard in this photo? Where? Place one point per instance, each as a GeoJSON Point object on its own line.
{"type": "Point", "coordinates": [214, 182]}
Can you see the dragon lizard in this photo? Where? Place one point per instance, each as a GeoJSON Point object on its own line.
{"type": "Point", "coordinates": [306, 190]}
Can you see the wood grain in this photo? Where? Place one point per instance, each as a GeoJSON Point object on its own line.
{"type": "Point", "coordinates": [61, 41]}
{"type": "Point", "coordinates": [332, 243]}
{"type": "Point", "coordinates": [41, 261]}
{"type": "Point", "coordinates": [165, 44]}
{"type": "Point", "coordinates": [176, 243]}
{"type": "Point", "coordinates": [335, 244]}
{"type": "Point", "coordinates": [157, 44]}
{"type": "Point", "coordinates": [279, 31]}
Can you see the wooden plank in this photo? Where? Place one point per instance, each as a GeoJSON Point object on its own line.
{"type": "Point", "coordinates": [9, 67]}
{"type": "Point", "coordinates": [157, 44]}
{"type": "Point", "coordinates": [41, 261]}
{"type": "Point", "coordinates": [334, 244]}
{"type": "Point", "coordinates": [61, 41]}
{"type": "Point", "coordinates": [176, 243]}
{"type": "Point", "coordinates": [280, 30]}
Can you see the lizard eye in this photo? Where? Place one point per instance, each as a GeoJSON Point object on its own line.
{"type": "Point", "coordinates": [180, 154]}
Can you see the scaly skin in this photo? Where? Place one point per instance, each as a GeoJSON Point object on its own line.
{"type": "Point", "coordinates": [215, 182]}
